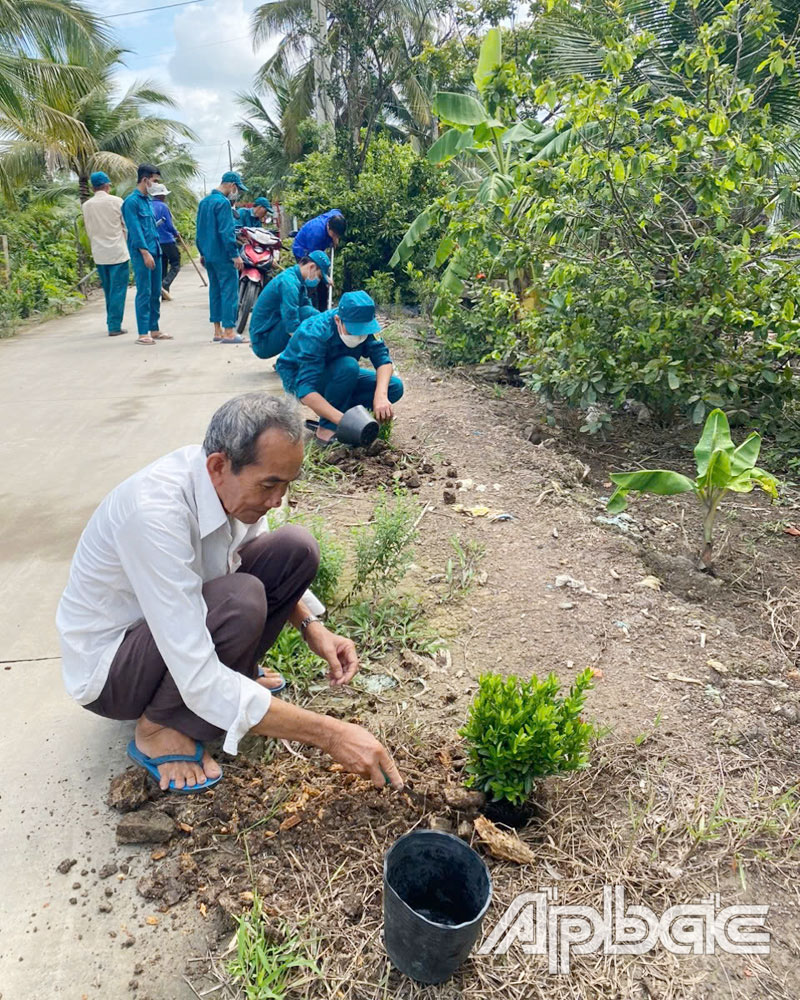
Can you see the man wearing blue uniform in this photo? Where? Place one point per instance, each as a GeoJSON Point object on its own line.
{"type": "Point", "coordinates": [254, 218]}
{"type": "Point", "coordinates": [145, 251]}
{"type": "Point", "coordinates": [320, 233]}
{"type": "Point", "coordinates": [167, 237]}
{"type": "Point", "coordinates": [284, 304]}
{"type": "Point", "coordinates": [219, 255]}
{"type": "Point", "coordinates": [320, 364]}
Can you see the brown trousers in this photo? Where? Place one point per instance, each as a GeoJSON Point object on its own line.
{"type": "Point", "coordinates": [246, 611]}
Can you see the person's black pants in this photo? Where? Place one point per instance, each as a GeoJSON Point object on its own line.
{"type": "Point", "coordinates": [172, 262]}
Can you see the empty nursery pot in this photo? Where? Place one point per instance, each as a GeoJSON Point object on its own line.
{"type": "Point", "coordinates": [436, 891]}
{"type": "Point", "coordinates": [357, 427]}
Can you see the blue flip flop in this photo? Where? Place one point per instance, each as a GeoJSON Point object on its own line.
{"type": "Point", "coordinates": [277, 689]}
{"type": "Point", "coordinates": [150, 764]}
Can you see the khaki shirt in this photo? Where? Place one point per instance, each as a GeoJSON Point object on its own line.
{"type": "Point", "coordinates": [102, 216]}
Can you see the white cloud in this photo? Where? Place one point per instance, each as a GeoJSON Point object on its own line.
{"type": "Point", "coordinates": [202, 56]}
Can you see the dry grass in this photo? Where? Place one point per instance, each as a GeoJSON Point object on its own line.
{"type": "Point", "coordinates": [668, 823]}
{"type": "Point", "coordinates": [783, 613]}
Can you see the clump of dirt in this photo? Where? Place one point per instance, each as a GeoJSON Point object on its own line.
{"type": "Point", "coordinates": [380, 464]}
{"type": "Point", "coordinates": [268, 811]}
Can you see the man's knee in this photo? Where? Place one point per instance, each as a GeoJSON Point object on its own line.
{"type": "Point", "coordinates": [396, 389]}
{"type": "Point", "coordinates": [301, 546]}
{"type": "Point", "coordinates": [344, 368]}
{"type": "Point", "coordinates": [239, 596]}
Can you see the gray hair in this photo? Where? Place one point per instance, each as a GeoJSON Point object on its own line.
{"type": "Point", "coordinates": [237, 425]}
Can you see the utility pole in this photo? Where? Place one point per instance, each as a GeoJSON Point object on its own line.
{"type": "Point", "coordinates": [230, 161]}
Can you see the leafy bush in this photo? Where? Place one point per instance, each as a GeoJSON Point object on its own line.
{"type": "Point", "coordinates": [394, 186]}
{"type": "Point", "coordinates": [384, 548]}
{"type": "Point", "coordinates": [44, 261]}
{"type": "Point", "coordinates": [519, 731]}
{"type": "Point", "coordinates": [292, 658]}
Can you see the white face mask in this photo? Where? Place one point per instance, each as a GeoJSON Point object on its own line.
{"type": "Point", "coordinates": [349, 340]}
{"type": "Point", "coordinates": [234, 194]}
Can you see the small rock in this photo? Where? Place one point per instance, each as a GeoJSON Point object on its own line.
{"type": "Point", "coordinates": [452, 472]}
{"type": "Point", "coordinates": [129, 942]}
{"type": "Point", "coordinates": [441, 823]}
{"type": "Point", "coordinates": [76, 885]}
{"type": "Point", "coordinates": [128, 791]}
{"type": "Point", "coordinates": [566, 605]}
{"type": "Point", "coordinates": [145, 827]}
{"type": "Point", "coordinates": [465, 829]}
{"type": "Point", "coordinates": [789, 712]}
{"type": "Point", "coordinates": [108, 870]}
{"type": "Point", "coordinates": [353, 907]}
{"type": "Point", "coordinates": [109, 892]}
{"type": "Point", "coordinates": [104, 908]}
{"type": "Point", "coordinates": [73, 901]}
{"type": "Point", "coordinates": [427, 469]}
{"type": "Point", "coordinates": [377, 446]}
{"type": "Point", "coordinates": [717, 665]}
{"type": "Point", "coordinates": [464, 799]}
{"type": "Point", "coordinates": [412, 481]}
{"type": "Point", "coordinates": [449, 496]}
{"type": "Point", "coordinates": [65, 865]}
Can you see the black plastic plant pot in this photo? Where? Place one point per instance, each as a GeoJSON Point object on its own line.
{"type": "Point", "coordinates": [357, 427]}
{"type": "Point", "coordinates": [436, 891]}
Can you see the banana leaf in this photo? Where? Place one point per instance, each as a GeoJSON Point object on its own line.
{"type": "Point", "coordinates": [459, 109]}
{"type": "Point", "coordinates": [662, 482]}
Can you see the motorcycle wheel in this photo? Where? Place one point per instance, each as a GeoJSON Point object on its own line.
{"type": "Point", "coordinates": [246, 302]}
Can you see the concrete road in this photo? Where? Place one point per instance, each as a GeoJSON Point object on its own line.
{"type": "Point", "coordinates": [80, 411]}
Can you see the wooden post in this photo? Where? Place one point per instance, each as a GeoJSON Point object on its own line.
{"type": "Point", "coordinates": [6, 257]}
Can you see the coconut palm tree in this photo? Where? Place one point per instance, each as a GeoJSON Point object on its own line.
{"type": "Point", "coordinates": [358, 61]}
{"type": "Point", "coordinates": [111, 133]}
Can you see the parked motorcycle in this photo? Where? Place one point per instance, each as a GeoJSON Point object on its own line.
{"type": "Point", "coordinates": [260, 255]}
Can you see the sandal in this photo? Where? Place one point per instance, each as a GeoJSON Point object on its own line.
{"type": "Point", "coordinates": [147, 341]}
{"type": "Point", "coordinates": [150, 764]}
{"type": "Point", "coordinates": [280, 687]}
{"type": "Point", "coordinates": [158, 335]}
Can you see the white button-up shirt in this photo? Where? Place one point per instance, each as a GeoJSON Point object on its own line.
{"type": "Point", "coordinates": [145, 555]}
{"type": "Point", "coordinates": [102, 216]}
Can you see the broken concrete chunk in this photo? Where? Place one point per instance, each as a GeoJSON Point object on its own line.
{"type": "Point", "coordinates": [128, 791]}
{"type": "Point", "coordinates": [148, 826]}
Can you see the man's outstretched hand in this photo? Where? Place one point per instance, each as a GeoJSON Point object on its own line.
{"type": "Point", "coordinates": [337, 650]}
{"type": "Point", "coordinates": [358, 751]}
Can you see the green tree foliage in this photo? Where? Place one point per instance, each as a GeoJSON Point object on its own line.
{"type": "Point", "coordinates": [394, 186]}
{"type": "Point", "coordinates": [648, 230]}
{"type": "Point", "coordinates": [94, 130]}
{"type": "Point", "coordinates": [44, 262]}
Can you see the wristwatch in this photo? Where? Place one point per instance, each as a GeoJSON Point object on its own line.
{"type": "Point", "coordinates": [307, 621]}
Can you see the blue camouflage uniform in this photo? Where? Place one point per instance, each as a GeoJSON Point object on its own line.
{"type": "Point", "coordinates": [317, 360]}
{"type": "Point", "coordinates": [216, 241]}
{"type": "Point", "coordinates": [140, 222]}
{"type": "Point", "coordinates": [281, 308]}
{"type": "Point", "coordinates": [314, 235]}
{"type": "Point", "coordinates": [247, 219]}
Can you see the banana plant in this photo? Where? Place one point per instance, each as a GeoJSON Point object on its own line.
{"type": "Point", "coordinates": [487, 150]}
{"type": "Point", "coordinates": [721, 468]}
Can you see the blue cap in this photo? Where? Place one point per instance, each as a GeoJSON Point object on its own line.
{"type": "Point", "coordinates": [323, 262]}
{"type": "Point", "coordinates": [263, 203]}
{"type": "Point", "coordinates": [231, 177]}
{"type": "Point", "coordinates": [357, 312]}
{"type": "Point", "coordinates": [99, 179]}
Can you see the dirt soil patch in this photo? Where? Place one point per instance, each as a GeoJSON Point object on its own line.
{"type": "Point", "coordinates": [692, 790]}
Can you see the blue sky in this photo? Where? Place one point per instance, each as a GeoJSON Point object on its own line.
{"type": "Point", "coordinates": [201, 54]}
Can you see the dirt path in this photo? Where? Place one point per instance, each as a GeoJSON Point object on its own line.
{"type": "Point", "coordinates": [692, 789]}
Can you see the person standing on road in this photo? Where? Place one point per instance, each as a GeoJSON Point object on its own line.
{"type": "Point", "coordinates": [145, 251]}
{"type": "Point", "coordinates": [177, 589]}
{"type": "Point", "coordinates": [219, 255]}
{"type": "Point", "coordinates": [105, 227]}
{"type": "Point", "coordinates": [255, 217]}
{"type": "Point", "coordinates": [320, 233]}
{"type": "Point", "coordinates": [167, 237]}
{"type": "Point", "coordinates": [285, 303]}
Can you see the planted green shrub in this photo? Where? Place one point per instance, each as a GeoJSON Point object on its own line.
{"type": "Point", "coordinates": [384, 548]}
{"type": "Point", "coordinates": [721, 468]}
{"type": "Point", "coordinates": [519, 731]}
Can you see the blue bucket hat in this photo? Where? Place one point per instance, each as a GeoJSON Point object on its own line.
{"type": "Point", "coordinates": [231, 177]}
{"type": "Point", "coordinates": [99, 179]}
{"type": "Point", "coordinates": [263, 203]}
{"type": "Point", "coordinates": [357, 312]}
{"type": "Point", "coordinates": [323, 262]}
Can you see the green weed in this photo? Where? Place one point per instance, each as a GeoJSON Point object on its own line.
{"type": "Point", "coordinates": [460, 573]}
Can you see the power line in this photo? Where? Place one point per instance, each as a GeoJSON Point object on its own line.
{"type": "Point", "coordinates": [145, 10]}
